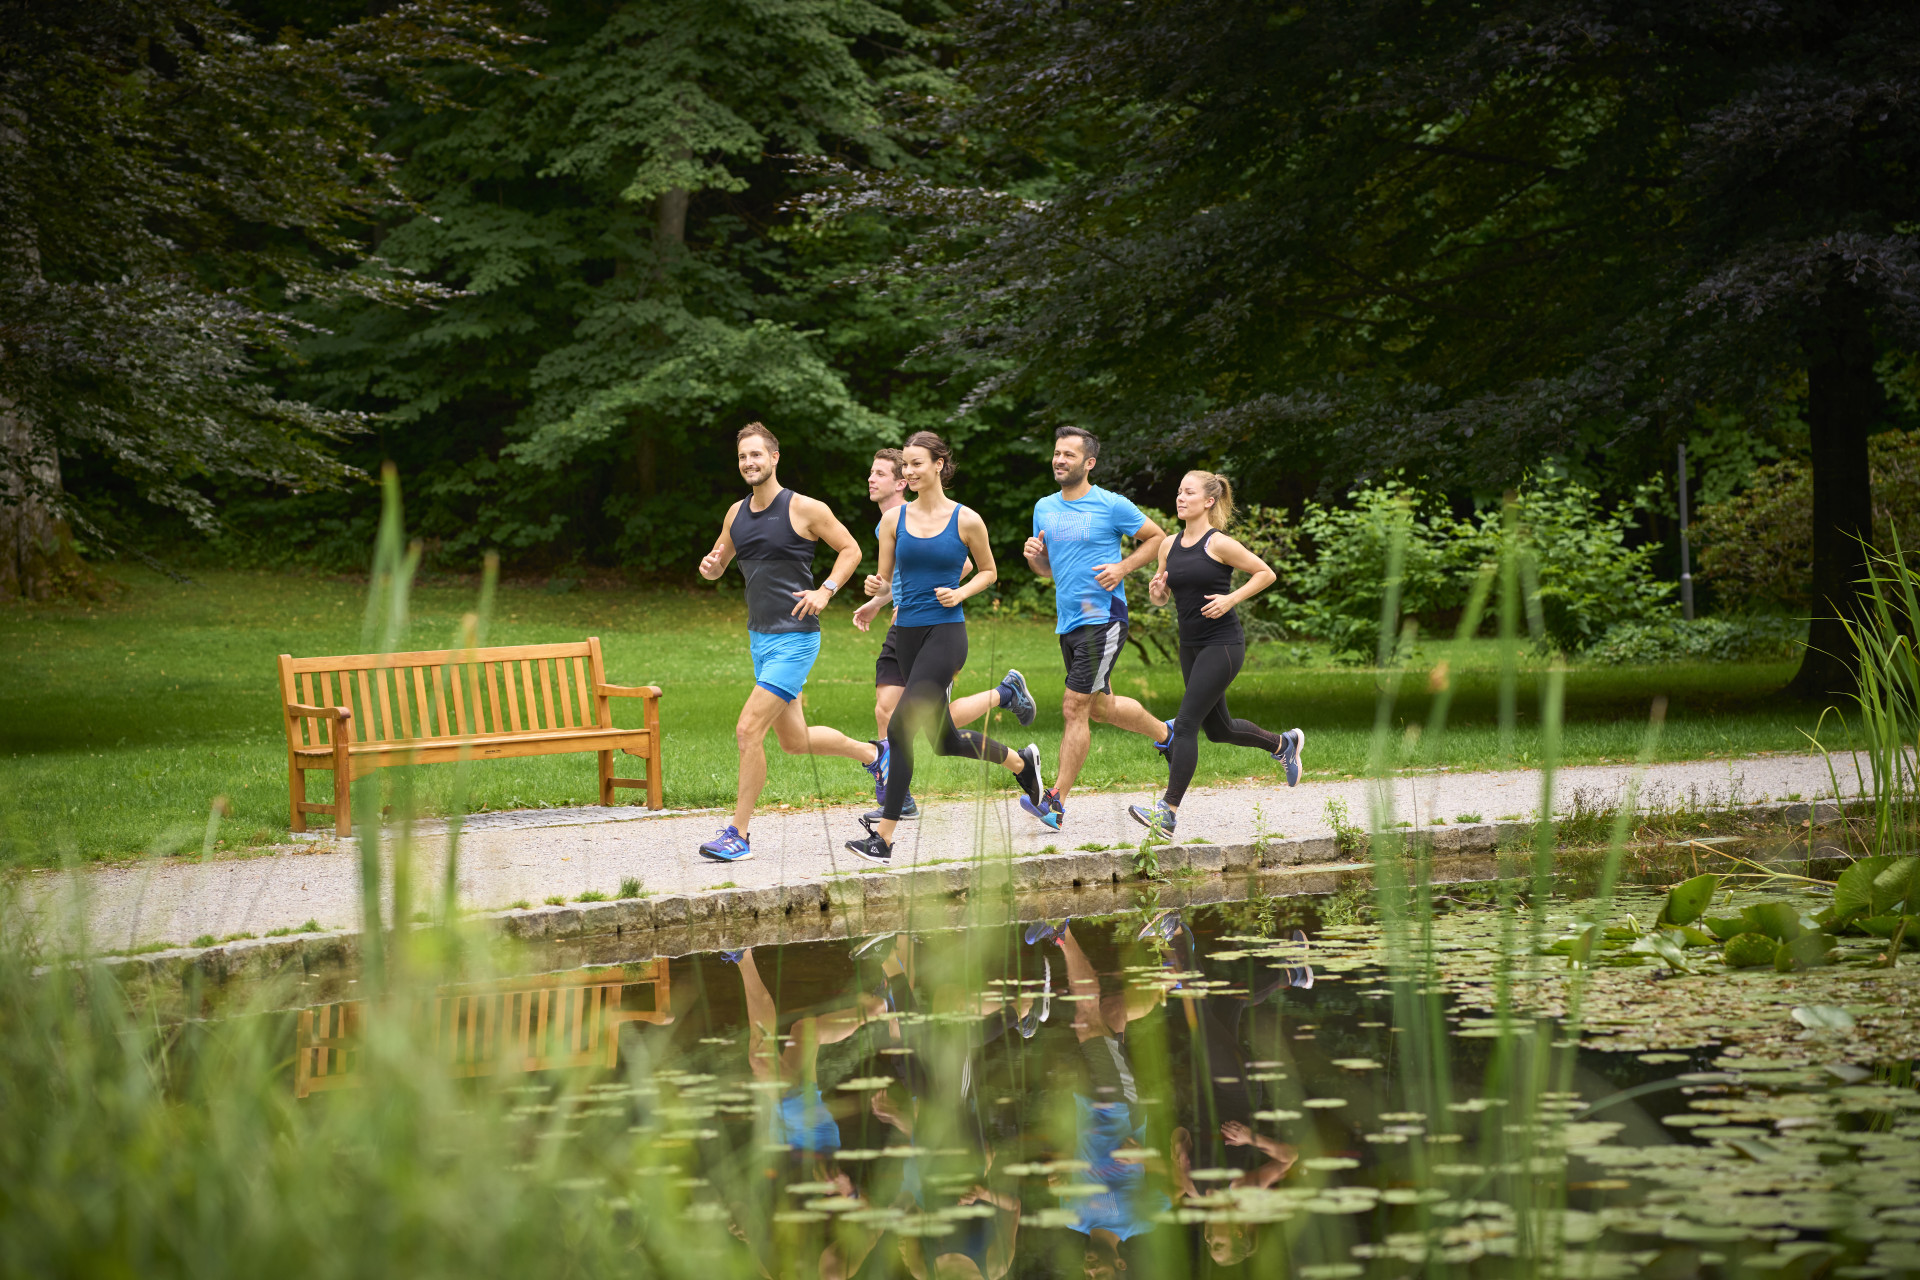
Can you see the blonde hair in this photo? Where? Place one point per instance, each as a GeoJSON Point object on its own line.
{"type": "Point", "coordinates": [1217, 487]}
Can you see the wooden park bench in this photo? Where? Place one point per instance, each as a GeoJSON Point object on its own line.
{"type": "Point", "coordinates": [443, 705]}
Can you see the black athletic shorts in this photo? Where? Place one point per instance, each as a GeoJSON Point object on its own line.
{"type": "Point", "coordinates": [1090, 653]}
{"type": "Point", "coordinates": [886, 668]}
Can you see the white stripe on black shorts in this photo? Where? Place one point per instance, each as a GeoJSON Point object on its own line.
{"type": "Point", "coordinates": [1090, 653]}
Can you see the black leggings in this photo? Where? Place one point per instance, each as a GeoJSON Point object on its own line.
{"type": "Point", "coordinates": [930, 657]}
{"type": "Point", "coordinates": [1208, 672]}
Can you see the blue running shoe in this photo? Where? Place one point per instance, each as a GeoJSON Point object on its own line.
{"type": "Point", "coordinates": [1291, 743]}
{"type": "Point", "coordinates": [1050, 811]}
{"type": "Point", "coordinates": [1040, 1009]}
{"type": "Point", "coordinates": [880, 767]}
{"type": "Point", "coordinates": [1044, 931]}
{"type": "Point", "coordinates": [732, 957]}
{"type": "Point", "coordinates": [1166, 748]}
{"type": "Point", "coordinates": [727, 845]}
{"type": "Point", "coordinates": [1016, 698]}
{"type": "Point", "coordinates": [1158, 819]}
{"type": "Point", "coordinates": [907, 810]}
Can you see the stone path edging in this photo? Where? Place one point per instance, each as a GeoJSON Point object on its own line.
{"type": "Point", "coordinates": [1055, 873]}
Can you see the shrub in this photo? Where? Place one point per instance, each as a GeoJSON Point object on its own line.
{"type": "Point", "coordinates": [1589, 578]}
{"type": "Point", "coordinates": [1753, 639]}
{"type": "Point", "coordinates": [1756, 548]}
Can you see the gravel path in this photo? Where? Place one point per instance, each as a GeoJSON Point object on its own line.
{"type": "Point", "coordinates": [533, 854]}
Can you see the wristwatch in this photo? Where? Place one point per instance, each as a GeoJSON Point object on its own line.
{"type": "Point", "coordinates": [831, 585]}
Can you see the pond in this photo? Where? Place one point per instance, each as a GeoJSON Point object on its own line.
{"type": "Point", "coordinates": [1318, 1085]}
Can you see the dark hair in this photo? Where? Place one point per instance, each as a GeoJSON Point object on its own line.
{"type": "Point", "coordinates": [896, 458]}
{"type": "Point", "coordinates": [758, 429]}
{"type": "Point", "coordinates": [1089, 442]}
{"type": "Point", "coordinates": [939, 448]}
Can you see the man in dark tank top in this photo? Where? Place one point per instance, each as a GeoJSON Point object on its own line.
{"type": "Point", "coordinates": [774, 533]}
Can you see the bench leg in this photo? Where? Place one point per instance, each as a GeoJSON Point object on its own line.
{"type": "Point", "coordinates": [343, 802]}
{"type": "Point", "coordinates": [296, 796]}
{"type": "Point", "coordinates": [606, 777]}
{"type": "Point", "coordinates": [656, 791]}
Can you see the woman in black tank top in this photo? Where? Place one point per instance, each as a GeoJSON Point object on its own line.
{"type": "Point", "coordinates": [1196, 574]}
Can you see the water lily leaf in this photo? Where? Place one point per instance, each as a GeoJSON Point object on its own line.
{"type": "Point", "coordinates": [1896, 886]}
{"type": "Point", "coordinates": [1724, 927]}
{"type": "Point", "coordinates": [1688, 899]}
{"type": "Point", "coordinates": [1807, 951]}
{"type": "Point", "coordinates": [1823, 1017]}
{"type": "Point", "coordinates": [1659, 944]}
{"type": "Point", "coordinates": [1749, 950]}
{"type": "Point", "coordinates": [1778, 920]}
{"type": "Point", "coordinates": [1853, 895]}
{"type": "Point", "coordinates": [1697, 937]}
{"type": "Point", "coordinates": [1883, 926]}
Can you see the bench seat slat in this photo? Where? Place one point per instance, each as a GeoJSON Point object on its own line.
{"type": "Point", "coordinates": [446, 750]}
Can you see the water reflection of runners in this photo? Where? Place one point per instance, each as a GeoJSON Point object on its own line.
{"type": "Point", "coordinates": [1219, 1129]}
{"type": "Point", "coordinates": [1077, 542]}
{"type": "Point", "coordinates": [1109, 1120]}
{"type": "Point", "coordinates": [1196, 575]}
{"type": "Point", "coordinates": [886, 485]}
{"type": "Point", "coordinates": [930, 540]}
{"type": "Point", "coordinates": [774, 533]}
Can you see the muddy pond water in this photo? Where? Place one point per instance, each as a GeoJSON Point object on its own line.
{"type": "Point", "coordinates": [1321, 1085]}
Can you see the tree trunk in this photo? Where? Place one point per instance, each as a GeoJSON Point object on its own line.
{"type": "Point", "coordinates": [669, 227]}
{"type": "Point", "coordinates": [1844, 405]}
{"type": "Point", "coordinates": [37, 559]}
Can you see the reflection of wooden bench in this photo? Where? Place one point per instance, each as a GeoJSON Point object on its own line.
{"type": "Point", "coordinates": [544, 1023]}
{"type": "Point", "coordinates": [446, 704]}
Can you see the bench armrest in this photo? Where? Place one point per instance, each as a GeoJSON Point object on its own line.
{"type": "Point", "coordinates": [300, 711]}
{"type": "Point", "coordinates": [626, 691]}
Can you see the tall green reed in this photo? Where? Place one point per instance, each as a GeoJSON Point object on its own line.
{"type": "Point", "coordinates": [1887, 695]}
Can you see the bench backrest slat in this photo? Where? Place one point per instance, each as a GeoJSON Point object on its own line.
{"type": "Point", "coordinates": [447, 693]}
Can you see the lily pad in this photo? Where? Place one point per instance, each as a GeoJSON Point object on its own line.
{"type": "Point", "coordinates": [1724, 927]}
{"type": "Point", "coordinates": [1749, 950]}
{"type": "Point", "coordinates": [1897, 885]}
{"type": "Point", "coordinates": [1778, 920]}
{"type": "Point", "coordinates": [1823, 1017]}
{"type": "Point", "coordinates": [1853, 894]}
{"type": "Point", "coordinates": [1807, 951]}
{"type": "Point", "coordinates": [1687, 900]}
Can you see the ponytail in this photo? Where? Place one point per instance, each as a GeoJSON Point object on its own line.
{"type": "Point", "coordinates": [1217, 487]}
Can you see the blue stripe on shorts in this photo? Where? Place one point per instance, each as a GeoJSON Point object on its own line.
{"type": "Point", "coordinates": [781, 661]}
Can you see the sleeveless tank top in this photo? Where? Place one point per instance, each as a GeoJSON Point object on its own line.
{"type": "Point", "coordinates": [1192, 576]}
{"type": "Point", "coordinates": [920, 566]}
{"type": "Point", "coordinates": [776, 562]}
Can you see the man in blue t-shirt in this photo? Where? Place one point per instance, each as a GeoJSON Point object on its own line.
{"type": "Point", "coordinates": [1076, 541]}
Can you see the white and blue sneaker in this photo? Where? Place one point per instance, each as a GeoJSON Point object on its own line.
{"type": "Point", "coordinates": [907, 810]}
{"type": "Point", "coordinates": [1166, 748]}
{"type": "Point", "coordinates": [727, 845]}
{"type": "Point", "coordinates": [1030, 780]}
{"type": "Point", "coordinates": [1040, 1009]}
{"type": "Point", "coordinates": [881, 766]}
{"type": "Point", "coordinates": [1291, 743]}
{"type": "Point", "coordinates": [1016, 698]}
{"type": "Point", "coordinates": [1158, 818]}
{"type": "Point", "coordinates": [1041, 932]}
{"type": "Point", "coordinates": [732, 957]}
{"type": "Point", "coordinates": [1049, 809]}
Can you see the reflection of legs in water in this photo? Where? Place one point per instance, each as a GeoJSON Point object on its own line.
{"type": "Point", "coordinates": [1095, 1014]}
{"type": "Point", "coordinates": [793, 1059]}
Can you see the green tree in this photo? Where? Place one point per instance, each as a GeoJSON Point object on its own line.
{"type": "Point", "coordinates": [1453, 237]}
{"type": "Point", "coordinates": [635, 281]}
{"type": "Point", "coordinates": [170, 182]}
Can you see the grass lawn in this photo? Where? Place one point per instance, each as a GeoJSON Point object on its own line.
{"type": "Point", "coordinates": [120, 722]}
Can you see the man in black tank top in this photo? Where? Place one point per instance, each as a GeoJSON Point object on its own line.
{"type": "Point", "coordinates": [774, 534]}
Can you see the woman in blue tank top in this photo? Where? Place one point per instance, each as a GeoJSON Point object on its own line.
{"type": "Point", "coordinates": [928, 544]}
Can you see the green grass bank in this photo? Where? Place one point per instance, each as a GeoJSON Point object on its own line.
{"type": "Point", "coordinates": [120, 721]}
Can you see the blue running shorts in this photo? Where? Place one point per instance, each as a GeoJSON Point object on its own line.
{"type": "Point", "coordinates": [781, 661]}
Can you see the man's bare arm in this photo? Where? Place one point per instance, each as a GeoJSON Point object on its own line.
{"type": "Point", "coordinates": [715, 562]}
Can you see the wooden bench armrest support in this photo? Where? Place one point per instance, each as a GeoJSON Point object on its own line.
{"type": "Point", "coordinates": [301, 712]}
{"type": "Point", "coordinates": [626, 690]}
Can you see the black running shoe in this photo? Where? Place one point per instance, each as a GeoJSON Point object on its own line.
{"type": "Point", "coordinates": [1030, 780]}
{"type": "Point", "coordinates": [873, 846]}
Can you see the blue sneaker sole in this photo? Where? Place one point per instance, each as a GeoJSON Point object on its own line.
{"type": "Point", "coordinates": [1047, 816]}
{"type": "Point", "coordinates": [726, 857]}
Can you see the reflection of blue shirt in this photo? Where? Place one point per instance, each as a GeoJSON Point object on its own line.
{"type": "Point", "coordinates": [801, 1119]}
{"type": "Point", "coordinates": [1080, 537]}
{"type": "Point", "coordinates": [1125, 1207]}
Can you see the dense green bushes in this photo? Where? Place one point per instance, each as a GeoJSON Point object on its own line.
{"type": "Point", "coordinates": [1333, 563]}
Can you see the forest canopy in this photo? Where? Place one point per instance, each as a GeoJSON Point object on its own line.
{"type": "Point", "coordinates": [545, 259]}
